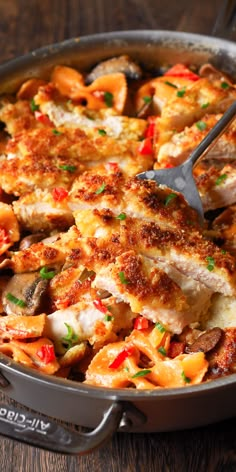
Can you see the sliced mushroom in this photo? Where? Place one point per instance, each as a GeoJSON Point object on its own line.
{"type": "Point", "coordinates": [27, 241]}
{"type": "Point", "coordinates": [24, 294]}
{"type": "Point", "coordinates": [117, 64]}
{"type": "Point", "coordinates": [206, 341]}
{"type": "Point", "coordinates": [208, 70]}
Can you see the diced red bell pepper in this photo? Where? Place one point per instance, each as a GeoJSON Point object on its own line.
{"type": "Point", "coordinates": [99, 305]}
{"type": "Point", "coordinates": [59, 194]}
{"type": "Point", "coordinates": [149, 132]}
{"type": "Point", "coordinates": [180, 70]}
{"type": "Point", "coordinates": [141, 323]}
{"type": "Point", "coordinates": [175, 349]}
{"type": "Point", "coordinates": [168, 166]}
{"type": "Point", "coordinates": [42, 118]}
{"type": "Point", "coordinates": [120, 358]}
{"type": "Point", "coordinates": [113, 166]}
{"type": "Point", "coordinates": [145, 147]}
{"type": "Point", "coordinates": [4, 236]}
{"type": "Point", "coordinates": [46, 353]}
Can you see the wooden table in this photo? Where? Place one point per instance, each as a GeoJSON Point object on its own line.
{"type": "Point", "coordinates": [29, 24]}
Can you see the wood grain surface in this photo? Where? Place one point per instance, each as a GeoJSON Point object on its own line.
{"type": "Point", "coordinates": [29, 24]}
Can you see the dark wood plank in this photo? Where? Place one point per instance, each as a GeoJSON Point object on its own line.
{"type": "Point", "coordinates": [26, 25]}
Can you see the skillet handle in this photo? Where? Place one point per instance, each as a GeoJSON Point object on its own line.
{"type": "Point", "coordinates": [45, 433]}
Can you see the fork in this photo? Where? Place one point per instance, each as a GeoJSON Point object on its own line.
{"type": "Point", "coordinates": [180, 178]}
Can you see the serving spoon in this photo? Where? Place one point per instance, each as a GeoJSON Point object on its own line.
{"type": "Point", "coordinates": [180, 178]}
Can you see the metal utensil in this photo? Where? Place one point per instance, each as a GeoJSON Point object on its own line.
{"type": "Point", "coordinates": [180, 178]}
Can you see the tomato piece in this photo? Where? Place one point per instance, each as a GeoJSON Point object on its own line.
{"type": "Point", "coordinates": [141, 323]}
{"type": "Point", "coordinates": [175, 349]}
{"type": "Point", "coordinates": [120, 358]}
{"type": "Point", "coordinates": [99, 305]}
{"type": "Point", "coordinates": [46, 353]}
{"type": "Point", "coordinates": [42, 118]}
{"type": "Point", "coordinates": [59, 194]}
{"type": "Point", "coordinates": [180, 70]}
{"type": "Point", "coordinates": [145, 147]}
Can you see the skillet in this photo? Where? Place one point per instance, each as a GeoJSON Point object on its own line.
{"type": "Point", "coordinates": [109, 410]}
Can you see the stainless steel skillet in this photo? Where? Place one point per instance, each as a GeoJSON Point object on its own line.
{"type": "Point", "coordinates": [129, 410]}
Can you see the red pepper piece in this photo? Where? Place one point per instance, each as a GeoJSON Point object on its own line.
{"type": "Point", "coordinates": [168, 166]}
{"type": "Point", "coordinates": [141, 323]}
{"type": "Point", "coordinates": [59, 194]}
{"type": "Point", "coordinates": [42, 118]}
{"type": "Point", "coordinates": [4, 236]}
{"type": "Point", "coordinates": [120, 358]}
{"type": "Point", "coordinates": [46, 353]}
{"type": "Point", "coordinates": [113, 166]}
{"type": "Point", "coordinates": [175, 349]}
{"type": "Point", "coordinates": [180, 70]}
{"type": "Point", "coordinates": [145, 147]}
{"type": "Point", "coordinates": [149, 132]}
{"type": "Point", "coordinates": [99, 305]}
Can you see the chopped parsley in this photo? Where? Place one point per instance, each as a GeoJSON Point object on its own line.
{"type": "Point", "coordinates": [47, 274]}
{"type": "Point", "coordinates": [201, 125]}
{"type": "Point", "coordinates": [170, 84]}
{"type": "Point", "coordinates": [160, 327]}
{"type": "Point", "coordinates": [221, 179]}
{"type": "Point", "coordinates": [108, 99]}
{"type": "Point", "coordinates": [102, 132]}
{"type": "Point", "coordinates": [147, 99]}
{"type": "Point", "coordinates": [68, 168]}
{"type": "Point", "coordinates": [211, 263]}
{"type": "Point", "coordinates": [141, 373]}
{"type": "Point", "coordinates": [121, 216]}
{"type": "Point", "coordinates": [162, 350]}
{"type": "Point", "coordinates": [186, 379]}
{"type": "Point", "coordinates": [33, 105]}
{"type": "Point", "coordinates": [223, 251]}
{"type": "Point", "coordinates": [224, 85]}
{"type": "Point", "coordinates": [123, 278]}
{"type": "Point", "coordinates": [205, 105]}
{"type": "Point", "coordinates": [15, 300]}
{"type": "Point", "coordinates": [108, 318]}
{"type": "Point", "coordinates": [101, 189]}
{"type": "Point", "coordinates": [181, 92]}
{"type": "Point", "coordinates": [170, 197]}
{"type": "Point", "coordinates": [56, 132]}
{"type": "Point", "coordinates": [70, 337]}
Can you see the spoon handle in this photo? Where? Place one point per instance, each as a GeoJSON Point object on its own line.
{"type": "Point", "coordinates": [212, 136]}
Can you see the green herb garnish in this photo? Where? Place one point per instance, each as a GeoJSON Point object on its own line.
{"type": "Point", "coordinates": [56, 132]}
{"type": "Point", "coordinates": [224, 85]}
{"type": "Point", "coordinates": [33, 105]}
{"type": "Point", "coordinates": [181, 92]}
{"type": "Point", "coordinates": [147, 99]}
{"type": "Point", "coordinates": [223, 251]}
{"type": "Point", "coordinates": [170, 84]}
{"type": "Point", "coordinates": [169, 198]}
{"type": "Point", "coordinates": [186, 379]}
{"type": "Point", "coordinates": [205, 105]}
{"type": "Point", "coordinates": [201, 125]}
{"type": "Point", "coordinates": [102, 132]}
{"type": "Point", "coordinates": [141, 373]}
{"type": "Point", "coordinates": [162, 350]}
{"type": "Point", "coordinates": [123, 278]}
{"type": "Point", "coordinates": [211, 263]}
{"type": "Point", "coordinates": [160, 327]}
{"type": "Point", "coordinates": [68, 168]}
{"type": "Point", "coordinates": [15, 300]}
{"type": "Point", "coordinates": [71, 337]}
{"type": "Point", "coordinates": [108, 318]}
{"type": "Point", "coordinates": [101, 189]}
{"type": "Point", "coordinates": [121, 216]}
{"type": "Point", "coordinates": [47, 274]}
{"type": "Point", "coordinates": [108, 99]}
{"type": "Point", "coordinates": [221, 179]}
